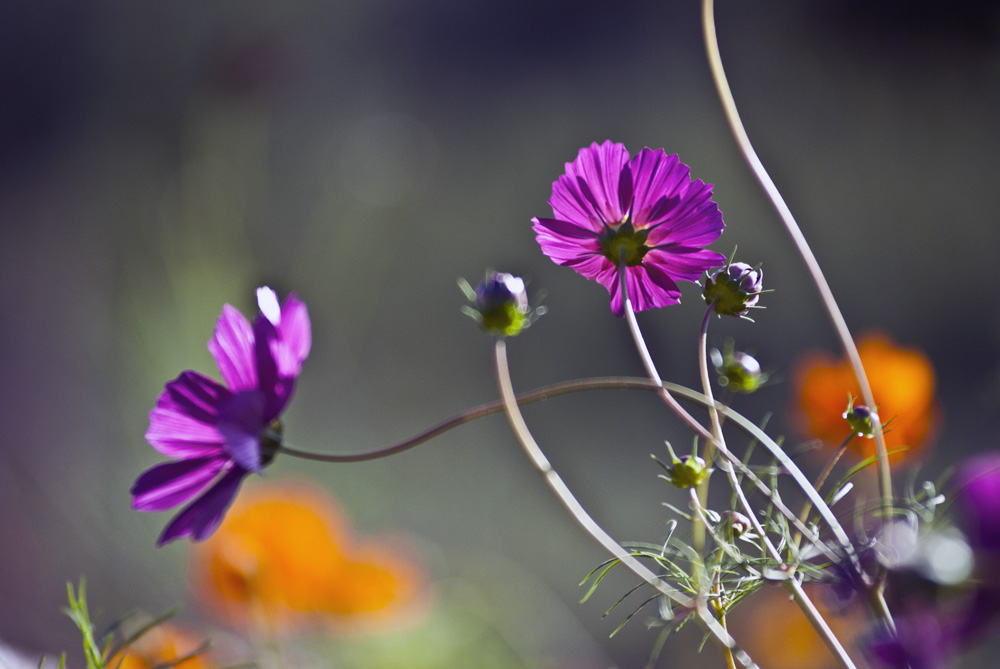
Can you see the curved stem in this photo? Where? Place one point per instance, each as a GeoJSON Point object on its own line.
{"type": "Point", "coordinates": [793, 585]}
{"type": "Point", "coordinates": [785, 214]}
{"type": "Point", "coordinates": [580, 385]}
{"type": "Point", "coordinates": [562, 491]}
{"type": "Point", "coordinates": [481, 411]}
{"type": "Point", "coordinates": [697, 527]}
{"type": "Point", "coordinates": [713, 413]}
{"type": "Point", "coordinates": [820, 480]}
{"type": "Point", "coordinates": [654, 376]}
{"type": "Point", "coordinates": [580, 515]}
{"type": "Point", "coordinates": [706, 383]}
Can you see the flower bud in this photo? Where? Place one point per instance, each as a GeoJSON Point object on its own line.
{"type": "Point", "coordinates": [687, 471]}
{"type": "Point", "coordinates": [734, 289]}
{"type": "Point", "coordinates": [738, 371]}
{"type": "Point", "coordinates": [500, 304]}
{"type": "Point", "coordinates": [736, 524]}
{"type": "Point", "coordinates": [859, 417]}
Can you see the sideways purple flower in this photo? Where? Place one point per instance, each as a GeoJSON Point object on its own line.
{"type": "Point", "coordinates": [644, 213]}
{"type": "Point", "coordinates": [217, 434]}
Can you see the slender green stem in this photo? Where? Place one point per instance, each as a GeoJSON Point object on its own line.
{"type": "Point", "coordinates": [580, 515]}
{"type": "Point", "coordinates": [581, 385]}
{"type": "Point", "coordinates": [794, 587]}
{"type": "Point", "coordinates": [792, 227]}
{"type": "Point", "coordinates": [706, 384]}
{"type": "Point", "coordinates": [647, 362]}
{"type": "Point", "coordinates": [876, 600]}
{"type": "Point", "coordinates": [820, 480]}
{"type": "Point", "coordinates": [562, 491]}
{"type": "Point", "coordinates": [697, 528]}
{"type": "Point", "coordinates": [554, 390]}
{"type": "Point", "coordinates": [481, 411]}
{"type": "Point", "coordinates": [715, 439]}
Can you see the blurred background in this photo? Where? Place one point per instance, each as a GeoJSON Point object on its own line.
{"type": "Point", "coordinates": [160, 159]}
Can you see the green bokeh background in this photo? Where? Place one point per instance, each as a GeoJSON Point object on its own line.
{"type": "Point", "coordinates": [160, 159]}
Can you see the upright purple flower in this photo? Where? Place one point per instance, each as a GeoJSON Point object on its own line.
{"type": "Point", "coordinates": [644, 212]}
{"type": "Point", "coordinates": [220, 433]}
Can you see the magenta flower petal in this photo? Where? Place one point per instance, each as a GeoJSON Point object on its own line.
{"type": "Point", "coordinates": [211, 428]}
{"type": "Point", "coordinates": [643, 213]}
{"type": "Point", "coordinates": [172, 483]}
{"type": "Point", "coordinates": [649, 287]}
{"type": "Point", "coordinates": [589, 193]}
{"type": "Point", "coordinates": [978, 498]}
{"type": "Point", "coordinates": [295, 335]}
{"type": "Point", "coordinates": [240, 421]}
{"type": "Point", "coordinates": [684, 264]}
{"type": "Point", "coordinates": [283, 339]}
{"type": "Point", "coordinates": [200, 518]}
{"type": "Point", "coordinates": [659, 180]}
{"type": "Point", "coordinates": [232, 346]}
{"type": "Point", "coordinates": [182, 424]}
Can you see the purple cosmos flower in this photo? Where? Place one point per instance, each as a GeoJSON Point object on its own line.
{"type": "Point", "coordinates": [645, 211]}
{"type": "Point", "coordinates": [220, 433]}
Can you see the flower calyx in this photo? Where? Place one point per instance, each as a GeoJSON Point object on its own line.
{"type": "Point", "coordinates": [687, 471]}
{"type": "Point", "coordinates": [734, 290]}
{"type": "Point", "coordinates": [499, 303]}
{"type": "Point", "coordinates": [738, 371]}
{"type": "Point", "coordinates": [860, 418]}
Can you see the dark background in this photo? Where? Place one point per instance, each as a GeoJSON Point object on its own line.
{"type": "Point", "coordinates": [160, 159]}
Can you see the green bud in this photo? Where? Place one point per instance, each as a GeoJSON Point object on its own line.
{"type": "Point", "coordinates": [738, 371]}
{"type": "Point", "coordinates": [735, 289]}
{"type": "Point", "coordinates": [736, 524]}
{"type": "Point", "coordinates": [500, 304]}
{"type": "Point", "coordinates": [687, 471]}
{"type": "Point", "coordinates": [859, 417]}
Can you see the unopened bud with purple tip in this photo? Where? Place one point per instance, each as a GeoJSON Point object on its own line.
{"type": "Point", "coordinates": [500, 304]}
{"type": "Point", "coordinates": [687, 471]}
{"type": "Point", "coordinates": [860, 418]}
{"type": "Point", "coordinates": [734, 289]}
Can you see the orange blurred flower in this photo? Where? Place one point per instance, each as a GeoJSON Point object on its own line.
{"type": "Point", "coordinates": [163, 643]}
{"type": "Point", "coordinates": [285, 558]}
{"type": "Point", "coordinates": [777, 635]}
{"type": "Point", "coordinates": [902, 381]}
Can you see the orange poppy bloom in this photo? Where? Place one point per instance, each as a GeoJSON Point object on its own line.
{"type": "Point", "coordinates": [902, 382]}
{"type": "Point", "coordinates": [285, 558]}
{"type": "Point", "coordinates": [163, 643]}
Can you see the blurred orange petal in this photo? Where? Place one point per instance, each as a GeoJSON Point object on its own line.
{"type": "Point", "coordinates": [777, 635]}
{"type": "Point", "coordinates": [903, 384]}
{"type": "Point", "coordinates": [285, 558]}
{"type": "Point", "coordinates": [162, 643]}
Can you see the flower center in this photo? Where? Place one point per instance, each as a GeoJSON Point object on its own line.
{"type": "Point", "coordinates": [624, 242]}
{"type": "Point", "coordinates": [270, 442]}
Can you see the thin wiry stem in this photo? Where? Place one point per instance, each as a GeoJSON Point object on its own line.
{"type": "Point", "coordinates": [654, 376]}
{"type": "Point", "coordinates": [792, 584]}
{"type": "Point", "coordinates": [792, 227]}
{"type": "Point", "coordinates": [562, 491]}
{"type": "Point", "coordinates": [580, 515]}
{"type": "Point", "coordinates": [821, 479]}
{"type": "Point", "coordinates": [554, 390]}
{"type": "Point", "coordinates": [697, 528]}
{"type": "Point", "coordinates": [481, 411]}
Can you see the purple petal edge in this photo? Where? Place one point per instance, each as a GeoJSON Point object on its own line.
{"type": "Point", "coordinates": [200, 518]}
